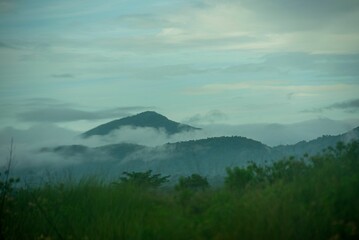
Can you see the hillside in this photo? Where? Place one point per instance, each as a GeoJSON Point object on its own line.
{"type": "Point", "coordinates": [317, 145]}
{"type": "Point", "coordinates": [209, 157]}
{"type": "Point", "coordinates": [145, 119]}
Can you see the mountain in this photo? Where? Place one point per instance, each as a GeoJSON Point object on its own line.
{"type": "Point", "coordinates": [209, 157]}
{"type": "Point", "coordinates": [317, 145]}
{"type": "Point", "coordinates": [279, 134]}
{"type": "Point", "coordinates": [145, 119]}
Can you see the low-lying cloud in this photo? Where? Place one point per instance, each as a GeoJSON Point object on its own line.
{"type": "Point", "coordinates": [146, 136]}
{"type": "Point", "coordinates": [347, 105]}
{"type": "Point", "coordinates": [207, 118]}
{"type": "Point", "coordinates": [29, 142]}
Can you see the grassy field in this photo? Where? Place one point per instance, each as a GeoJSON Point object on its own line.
{"type": "Point", "coordinates": [311, 198]}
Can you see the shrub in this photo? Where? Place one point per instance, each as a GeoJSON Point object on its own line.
{"type": "Point", "coordinates": [194, 182]}
{"type": "Point", "coordinates": [238, 178]}
{"type": "Point", "coordinates": [143, 179]}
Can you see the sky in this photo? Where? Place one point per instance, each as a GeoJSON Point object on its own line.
{"type": "Point", "coordinates": [76, 63]}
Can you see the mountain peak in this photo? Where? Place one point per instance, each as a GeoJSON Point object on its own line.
{"type": "Point", "coordinates": [150, 119]}
{"type": "Point", "coordinates": [149, 115]}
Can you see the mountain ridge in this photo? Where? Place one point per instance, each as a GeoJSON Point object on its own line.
{"type": "Point", "coordinates": [150, 119]}
{"type": "Point", "coordinates": [209, 157]}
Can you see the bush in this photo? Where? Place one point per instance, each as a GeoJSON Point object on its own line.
{"type": "Point", "coordinates": [194, 182]}
{"type": "Point", "coordinates": [286, 200]}
{"type": "Point", "coordinates": [238, 178]}
{"type": "Point", "coordinates": [143, 179]}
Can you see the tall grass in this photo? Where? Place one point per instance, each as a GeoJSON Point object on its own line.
{"type": "Point", "coordinates": [322, 202]}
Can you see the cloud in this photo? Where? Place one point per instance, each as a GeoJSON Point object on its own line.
{"type": "Point", "coordinates": [6, 6]}
{"type": "Point", "coordinates": [270, 134]}
{"type": "Point", "coordinates": [350, 106]}
{"type": "Point", "coordinates": [167, 71]}
{"type": "Point", "coordinates": [144, 136]}
{"type": "Point", "coordinates": [142, 21]}
{"type": "Point", "coordinates": [112, 51]}
{"type": "Point", "coordinates": [37, 135]}
{"type": "Point", "coordinates": [347, 105]}
{"type": "Point", "coordinates": [298, 65]}
{"type": "Point", "coordinates": [64, 75]}
{"type": "Point", "coordinates": [290, 95]}
{"type": "Point", "coordinates": [329, 65]}
{"type": "Point", "coordinates": [27, 143]}
{"type": "Point", "coordinates": [49, 110]}
{"type": "Point", "coordinates": [56, 115]}
{"type": "Point", "coordinates": [66, 114]}
{"type": "Point", "coordinates": [217, 88]}
{"type": "Point", "coordinates": [43, 102]}
{"type": "Point", "coordinates": [136, 135]}
{"type": "Point", "coordinates": [268, 25]}
{"type": "Point", "coordinates": [210, 117]}
{"type": "Point", "coordinates": [298, 15]}
{"type": "Point", "coordinates": [5, 45]}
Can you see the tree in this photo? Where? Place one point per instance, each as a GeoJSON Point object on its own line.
{"type": "Point", "coordinates": [238, 178]}
{"type": "Point", "coordinates": [194, 182]}
{"type": "Point", "coordinates": [143, 179]}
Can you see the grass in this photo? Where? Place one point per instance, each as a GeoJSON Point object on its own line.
{"type": "Point", "coordinates": [321, 201]}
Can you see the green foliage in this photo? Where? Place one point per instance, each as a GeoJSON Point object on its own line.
{"type": "Point", "coordinates": [238, 178]}
{"type": "Point", "coordinates": [283, 170]}
{"type": "Point", "coordinates": [194, 182]}
{"type": "Point", "coordinates": [190, 190]}
{"type": "Point", "coordinates": [7, 189]}
{"type": "Point", "coordinates": [315, 198]}
{"type": "Point", "coordinates": [144, 179]}
{"type": "Point", "coordinates": [286, 169]}
{"type": "Point", "coordinates": [7, 185]}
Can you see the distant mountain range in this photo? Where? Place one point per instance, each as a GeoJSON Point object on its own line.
{"type": "Point", "coordinates": [145, 119]}
{"type": "Point", "coordinates": [317, 145]}
{"type": "Point", "coordinates": [209, 157]}
{"type": "Point", "coordinates": [278, 134]}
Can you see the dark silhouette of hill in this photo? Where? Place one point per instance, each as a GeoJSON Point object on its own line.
{"type": "Point", "coordinates": [145, 119]}
{"type": "Point", "coordinates": [317, 145]}
{"type": "Point", "coordinates": [208, 157]}
{"type": "Point", "coordinates": [117, 151]}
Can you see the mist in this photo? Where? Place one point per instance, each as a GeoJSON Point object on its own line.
{"type": "Point", "coordinates": [28, 143]}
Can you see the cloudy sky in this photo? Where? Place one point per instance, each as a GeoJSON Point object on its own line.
{"type": "Point", "coordinates": [78, 63]}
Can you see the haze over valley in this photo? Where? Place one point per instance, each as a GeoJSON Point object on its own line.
{"type": "Point", "coordinates": [151, 141]}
